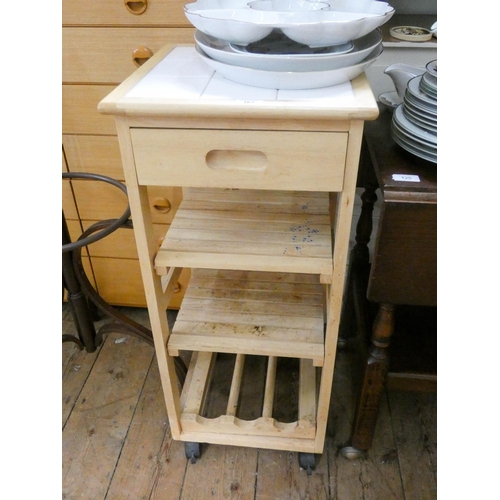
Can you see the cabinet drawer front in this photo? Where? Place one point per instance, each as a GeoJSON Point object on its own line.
{"type": "Point", "coordinates": [98, 201]}
{"type": "Point", "coordinates": [303, 161]}
{"type": "Point", "coordinates": [109, 55]}
{"type": "Point", "coordinates": [125, 12]}
{"type": "Point", "coordinates": [75, 231]}
{"type": "Point", "coordinates": [79, 110]}
{"type": "Point", "coordinates": [121, 243]}
{"type": "Point", "coordinates": [119, 282]}
{"type": "Point", "coordinates": [68, 202]}
{"type": "Point", "coordinates": [94, 154]}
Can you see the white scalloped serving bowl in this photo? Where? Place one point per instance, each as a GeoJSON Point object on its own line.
{"type": "Point", "coordinates": [337, 27]}
{"type": "Point", "coordinates": [290, 80]}
{"type": "Point", "coordinates": [288, 5]}
{"type": "Point", "coordinates": [218, 4]}
{"type": "Point", "coordinates": [232, 25]}
{"type": "Point", "coordinates": [372, 6]}
{"type": "Point", "coordinates": [317, 29]}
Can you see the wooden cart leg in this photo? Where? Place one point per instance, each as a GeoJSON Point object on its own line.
{"type": "Point", "coordinates": [373, 384]}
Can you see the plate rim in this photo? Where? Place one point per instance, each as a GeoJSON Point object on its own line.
{"type": "Point", "coordinates": [291, 75]}
{"type": "Point", "coordinates": [221, 51]}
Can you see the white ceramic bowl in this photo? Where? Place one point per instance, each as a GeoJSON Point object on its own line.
{"type": "Point", "coordinates": [290, 80]}
{"type": "Point", "coordinates": [320, 28]}
{"type": "Point", "coordinates": [334, 28]}
{"type": "Point", "coordinates": [354, 5]}
{"type": "Point", "coordinates": [239, 26]}
{"type": "Point", "coordinates": [224, 52]}
{"type": "Point", "coordinates": [288, 5]}
{"type": "Point", "coordinates": [217, 4]}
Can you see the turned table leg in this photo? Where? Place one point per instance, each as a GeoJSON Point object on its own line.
{"type": "Point", "coordinates": [374, 378]}
{"type": "Point", "coordinates": [364, 227]}
{"type": "Point", "coordinates": [359, 261]}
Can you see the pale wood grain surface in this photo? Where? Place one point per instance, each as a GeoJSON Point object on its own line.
{"type": "Point", "coordinates": [110, 12]}
{"type": "Point", "coordinates": [137, 468]}
{"type": "Point", "coordinates": [101, 416]}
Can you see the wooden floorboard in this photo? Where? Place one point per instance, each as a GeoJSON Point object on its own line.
{"type": "Point", "coordinates": [139, 462]}
{"type": "Point", "coordinates": [95, 432]}
{"type": "Point", "coordinates": [414, 423]}
{"type": "Point", "coordinates": [117, 442]}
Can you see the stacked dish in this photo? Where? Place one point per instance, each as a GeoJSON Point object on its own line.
{"type": "Point", "coordinates": [414, 123]}
{"type": "Point", "coordinates": [289, 44]}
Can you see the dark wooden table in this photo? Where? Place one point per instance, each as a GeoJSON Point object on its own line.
{"type": "Point", "coordinates": [392, 294]}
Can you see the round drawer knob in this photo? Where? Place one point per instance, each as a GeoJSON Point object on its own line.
{"type": "Point", "coordinates": [137, 8]}
{"type": "Point", "coordinates": [141, 54]}
{"type": "Point", "coordinates": [162, 205]}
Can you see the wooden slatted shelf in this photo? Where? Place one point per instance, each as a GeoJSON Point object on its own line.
{"type": "Point", "coordinates": [264, 428]}
{"type": "Point", "coordinates": [273, 314]}
{"type": "Point", "coordinates": [250, 229]}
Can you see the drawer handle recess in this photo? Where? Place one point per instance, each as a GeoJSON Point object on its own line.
{"type": "Point", "coordinates": [221, 159]}
{"type": "Point", "coordinates": [162, 205]}
{"type": "Point", "coordinates": [137, 8]}
{"type": "Point", "coordinates": [141, 54]}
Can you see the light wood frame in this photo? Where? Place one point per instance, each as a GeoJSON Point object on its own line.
{"type": "Point", "coordinates": [307, 434]}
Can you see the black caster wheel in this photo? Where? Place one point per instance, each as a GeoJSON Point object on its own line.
{"type": "Point", "coordinates": [351, 453]}
{"type": "Point", "coordinates": [193, 451]}
{"type": "Point", "coordinates": [307, 461]}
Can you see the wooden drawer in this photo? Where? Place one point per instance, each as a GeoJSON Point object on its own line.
{"type": "Point", "coordinates": [79, 110]}
{"type": "Point", "coordinates": [109, 55]}
{"type": "Point", "coordinates": [164, 202]}
{"type": "Point", "coordinates": [68, 201]}
{"type": "Point", "coordinates": [94, 154]}
{"type": "Point", "coordinates": [75, 231]}
{"type": "Point", "coordinates": [303, 161]}
{"type": "Point", "coordinates": [113, 12]}
{"type": "Point", "coordinates": [119, 282]}
{"type": "Point", "coordinates": [99, 201]}
{"type": "Point", "coordinates": [121, 243]}
{"type": "Point", "coordinates": [74, 228]}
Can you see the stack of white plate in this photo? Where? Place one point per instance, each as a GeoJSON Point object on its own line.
{"type": "Point", "coordinates": [279, 63]}
{"type": "Point", "coordinates": [289, 44]}
{"type": "Point", "coordinates": [414, 123]}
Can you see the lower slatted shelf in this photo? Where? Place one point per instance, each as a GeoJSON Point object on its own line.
{"type": "Point", "coordinates": [227, 426]}
{"type": "Point", "coordinates": [272, 314]}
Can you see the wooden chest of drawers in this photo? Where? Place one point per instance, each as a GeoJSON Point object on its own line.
{"type": "Point", "coordinates": [103, 43]}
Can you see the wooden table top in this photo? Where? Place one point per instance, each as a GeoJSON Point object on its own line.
{"type": "Point", "coordinates": [390, 160]}
{"type": "Point", "coordinates": [404, 263]}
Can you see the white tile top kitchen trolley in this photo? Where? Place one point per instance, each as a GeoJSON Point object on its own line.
{"type": "Point", "coordinates": [268, 179]}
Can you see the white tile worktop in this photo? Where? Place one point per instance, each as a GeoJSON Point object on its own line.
{"type": "Point", "coordinates": [177, 82]}
{"type": "Point", "coordinates": [182, 74]}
